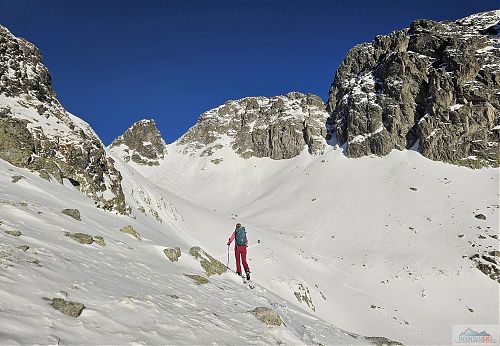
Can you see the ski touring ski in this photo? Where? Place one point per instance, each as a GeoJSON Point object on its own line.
{"type": "Point", "coordinates": [247, 282]}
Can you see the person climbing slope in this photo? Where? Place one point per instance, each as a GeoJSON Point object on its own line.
{"type": "Point", "coordinates": [240, 248]}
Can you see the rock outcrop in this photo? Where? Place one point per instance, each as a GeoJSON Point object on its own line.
{"type": "Point", "coordinates": [36, 132]}
{"type": "Point", "coordinates": [73, 309]}
{"type": "Point", "coordinates": [15, 233]}
{"type": "Point", "coordinates": [198, 279]}
{"type": "Point", "coordinates": [488, 263]}
{"type": "Point", "coordinates": [84, 238]}
{"type": "Point", "coordinates": [130, 230]}
{"type": "Point", "coordinates": [207, 262]}
{"type": "Point", "coordinates": [268, 316]}
{"type": "Point", "coordinates": [173, 254]}
{"type": "Point", "coordinates": [434, 85]}
{"type": "Point", "coordinates": [74, 213]}
{"type": "Point", "coordinates": [278, 127]}
{"type": "Point", "coordinates": [141, 143]}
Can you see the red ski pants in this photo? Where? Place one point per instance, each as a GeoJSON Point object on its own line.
{"type": "Point", "coordinates": [241, 251]}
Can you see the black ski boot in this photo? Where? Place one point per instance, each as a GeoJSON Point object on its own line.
{"type": "Point", "coordinates": [248, 274]}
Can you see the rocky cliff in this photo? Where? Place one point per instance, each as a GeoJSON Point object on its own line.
{"type": "Point", "coordinates": [141, 143]}
{"type": "Point", "coordinates": [434, 86]}
{"type": "Point", "coordinates": [277, 127]}
{"type": "Point", "coordinates": [36, 132]}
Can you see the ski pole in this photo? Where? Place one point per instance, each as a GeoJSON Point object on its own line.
{"type": "Point", "coordinates": [227, 265]}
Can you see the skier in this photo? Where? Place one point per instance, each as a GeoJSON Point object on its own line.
{"type": "Point", "coordinates": [240, 248]}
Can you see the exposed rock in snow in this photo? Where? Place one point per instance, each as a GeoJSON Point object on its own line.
{"type": "Point", "coordinates": [488, 264]}
{"type": "Point", "coordinates": [208, 263]}
{"type": "Point", "coordinates": [84, 238]}
{"type": "Point", "coordinates": [436, 83]}
{"type": "Point", "coordinates": [200, 280]}
{"type": "Point", "coordinates": [80, 237]}
{"type": "Point", "coordinates": [16, 178]}
{"type": "Point", "coordinates": [15, 233]}
{"type": "Point", "coordinates": [268, 316]}
{"type": "Point", "coordinates": [74, 213]}
{"type": "Point", "coordinates": [130, 230]}
{"type": "Point", "coordinates": [73, 309]}
{"type": "Point", "coordinates": [173, 254]}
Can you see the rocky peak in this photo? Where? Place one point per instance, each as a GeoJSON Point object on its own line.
{"type": "Point", "coordinates": [36, 132]}
{"type": "Point", "coordinates": [277, 127]}
{"type": "Point", "coordinates": [141, 143]}
{"type": "Point", "coordinates": [22, 71]}
{"type": "Point", "coordinates": [433, 86]}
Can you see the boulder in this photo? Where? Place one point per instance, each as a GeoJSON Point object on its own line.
{"type": "Point", "coordinates": [200, 280]}
{"type": "Point", "coordinates": [16, 178]}
{"type": "Point", "coordinates": [130, 230]}
{"type": "Point", "coordinates": [172, 254]}
{"type": "Point", "coordinates": [382, 341]}
{"type": "Point", "coordinates": [99, 240]}
{"type": "Point", "coordinates": [69, 308]}
{"type": "Point", "coordinates": [23, 248]}
{"type": "Point", "coordinates": [74, 213]}
{"type": "Point", "coordinates": [15, 232]}
{"type": "Point", "coordinates": [268, 316]}
{"type": "Point", "coordinates": [208, 263]}
{"type": "Point", "coordinates": [80, 237]}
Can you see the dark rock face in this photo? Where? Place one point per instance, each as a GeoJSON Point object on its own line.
{"type": "Point", "coordinates": [142, 143]}
{"type": "Point", "coordinates": [277, 127]}
{"type": "Point", "coordinates": [36, 132]}
{"type": "Point", "coordinates": [435, 85]}
{"type": "Point", "coordinates": [21, 69]}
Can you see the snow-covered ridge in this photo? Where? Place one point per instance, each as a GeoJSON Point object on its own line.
{"type": "Point", "coordinates": [480, 21]}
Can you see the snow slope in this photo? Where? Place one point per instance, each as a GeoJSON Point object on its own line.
{"type": "Point", "coordinates": [377, 246]}
{"type": "Point", "coordinates": [133, 294]}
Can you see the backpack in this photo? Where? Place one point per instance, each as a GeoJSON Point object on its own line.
{"type": "Point", "coordinates": [241, 236]}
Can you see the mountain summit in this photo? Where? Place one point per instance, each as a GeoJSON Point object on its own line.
{"type": "Point", "coordinates": [141, 143]}
{"type": "Point", "coordinates": [277, 127]}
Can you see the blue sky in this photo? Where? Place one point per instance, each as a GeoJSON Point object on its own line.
{"type": "Point", "coordinates": [116, 62]}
